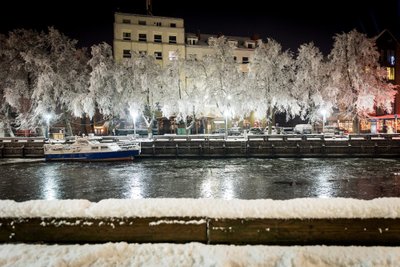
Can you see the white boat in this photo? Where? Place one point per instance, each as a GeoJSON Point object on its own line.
{"type": "Point", "coordinates": [86, 149]}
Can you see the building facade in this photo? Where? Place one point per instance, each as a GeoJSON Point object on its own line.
{"type": "Point", "coordinates": [161, 37]}
{"type": "Point", "coordinates": [165, 39]}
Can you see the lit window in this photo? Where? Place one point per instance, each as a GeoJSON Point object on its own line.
{"type": "Point", "coordinates": [392, 60]}
{"type": "Point", "coordinates": [142, 37]}
{"type": "Point", "coordinates": [158, 55]}
{"type": "Point", "coordinates": [390, 71]}
{"type": "Point", "coordinates": [172, 39]}
{"type": "Point", "coordinates": [390, 57]}
{"type": "Point", "coordinates": [126, 21]}
{"type": "Point", "coordinates": [126, 35]}
{"type": "Point", "coordinates": [126, 53]}
{"type": "Point", "coordinates": [157, 38]}
{"type": "Point", "coordinates": [172, 55]}
{"type": "Point", "coordinates": [142, 22]}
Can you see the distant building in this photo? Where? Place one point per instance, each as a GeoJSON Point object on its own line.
{"type": "Point", "coordinates": [389, 49]}
{"type": "Point", "coordinates": [165, 39]}
{"type": "Point", "coordinates": [161, 37]}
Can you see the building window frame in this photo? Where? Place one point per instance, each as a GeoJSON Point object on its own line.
{"type": "Point", "coordinates": [142, 37]}
{"type": "Point", "coordinates": [172, 39]}
{"type": "Point", "coordinates": [390, 73]}
{"type": "Point", "coordinates": [158, 55]}
{"type": "Point", "coordinates": [126, 53]}
{"type": "Point", "coordinates": [126, 36]}
{"type": "Point", "coordinates": [126, 21]}
{"type": "Point", "coordinates": [157, 38]}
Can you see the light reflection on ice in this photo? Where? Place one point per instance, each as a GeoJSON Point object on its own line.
{"type": "Point", "coordinates": [50, 187]}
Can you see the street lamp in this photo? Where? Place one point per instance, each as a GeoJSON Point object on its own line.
{"type": "Point", "coordinates": [323, 113]}
{"type": "Point", "coordinates": [134, 115]}
{"type": "Point", "coordinates": [47, 117]}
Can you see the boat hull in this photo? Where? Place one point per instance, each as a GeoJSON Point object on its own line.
{"type": "Point", "coordinates": [93, 156]}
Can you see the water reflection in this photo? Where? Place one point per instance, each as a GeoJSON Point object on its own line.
{"type": "Point", "coordinates": [49, 186]}
{"type": "Point", "coordinates": [240, 178]}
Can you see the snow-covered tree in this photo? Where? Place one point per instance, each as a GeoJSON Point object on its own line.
{"type": "Point", "coordinates": [151, 87]}
{"type": "Point", "coordinates": [102, 84]}
{"type": "Point", "coordinates": [6, 117]}
{"type": "Point", "coordinates": [355, 71]}
{"type": "Point", "coordinates": [310, 86]}
{"type": "Point", "coordinates": [19, 76]}
{"type": "Point", "coordinates": [223, 79]}
{"type": "Point", "coordinates": [271, 79]}
{"type": "Point", "coordinates": [62, 78]}
{"type": "Point", "coordinates": [44, 71]}
{"type": "Point", "coordinates": [195, 89]}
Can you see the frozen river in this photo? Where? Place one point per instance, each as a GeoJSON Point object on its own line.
{"type": "Point", "coordinates": [238, 178]}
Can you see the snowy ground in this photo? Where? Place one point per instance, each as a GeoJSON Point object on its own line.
{"type": "Point", "coordinates": [196, 254]}
{"type": "Point", "coordinates": [212, 208]}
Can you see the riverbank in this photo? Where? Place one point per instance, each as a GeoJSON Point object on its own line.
{"type": "Point", "coordinates": [217, 146]}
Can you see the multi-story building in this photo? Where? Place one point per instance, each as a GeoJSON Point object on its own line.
{"type": "Point", "coordinates": [165, 39]}
{"type": "Point", "coordinates": [389, 49]}
{"type": "Point", "coordinates": [162, 37]}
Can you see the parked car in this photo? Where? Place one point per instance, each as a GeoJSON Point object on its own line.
{"type": "Point", "coordinates": [285, 130]}
{"type": "Point", "coordinates": [235, 131]}
{"type": "Point", "coordinates": [219, 131]}
{"type": "Point", "coordinates": [303, 129]}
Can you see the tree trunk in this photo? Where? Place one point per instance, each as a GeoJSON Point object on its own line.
{"type": "Point", "coordinates": [270, 119]}
{"type": "Point", "coordinates": [68, 130]}
{"type": "Point", "coordinates": [83, 125]}
{"type": "Point", "coordinates": [356, 125]}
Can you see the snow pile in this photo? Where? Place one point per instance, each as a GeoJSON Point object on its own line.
{"type": "Point", "coordinates": [212, 208]}
{"type": "Point", "coordinates": [195, 254]}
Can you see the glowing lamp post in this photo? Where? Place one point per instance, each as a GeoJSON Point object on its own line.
{"type": "Point", "coordinates": [47, 117]}
{"type": "Point", "coordinates": [323, 113]}
{"type": "Point", "coordinates": [134, 115]}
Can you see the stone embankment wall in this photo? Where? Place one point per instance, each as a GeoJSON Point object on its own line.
{"type": "Point", "coordinates": [209, 146]}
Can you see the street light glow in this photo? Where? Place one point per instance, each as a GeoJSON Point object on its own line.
{"type": "Point", "coordinates": [47, 117]}
{"type": "Point", "coordinates": [323, 113]}
{"type": "Point", "coordinates": [134, 116]}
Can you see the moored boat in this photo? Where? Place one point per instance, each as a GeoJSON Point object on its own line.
{"type": "Point", "coordinates": [86, 149]}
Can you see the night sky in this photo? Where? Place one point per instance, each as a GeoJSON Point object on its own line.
{"type": "Point", "coordinates": [290, 23]}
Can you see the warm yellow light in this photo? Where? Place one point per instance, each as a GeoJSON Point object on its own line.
{"type": "Point", "coordinates": [390, 72]}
